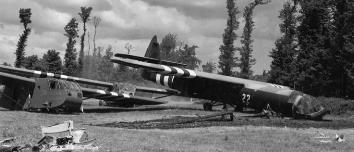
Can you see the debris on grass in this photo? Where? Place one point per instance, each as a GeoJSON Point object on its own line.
{"type": "Point", "coordinates": [327, 139]}
{"type": "Point", "coordinates": [58, 137]}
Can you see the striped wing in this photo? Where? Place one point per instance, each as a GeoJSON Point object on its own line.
{"type": "Point", "coordinates": [39, 74]}
{"type": "Point", "coordinates": [172, 72]}
{"type": "Point", "coordinates": [119, 97]}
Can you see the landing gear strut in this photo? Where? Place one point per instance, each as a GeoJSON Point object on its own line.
{"type": "Point", "coordinates": [207, 106]}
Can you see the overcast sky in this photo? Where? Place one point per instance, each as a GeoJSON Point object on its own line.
{"type": "Point", "coordinates": [196, 22]}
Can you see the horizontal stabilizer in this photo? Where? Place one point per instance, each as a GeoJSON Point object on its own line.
{"type": "Point", "coordinates": [163, 69]}
{"type": "Point", "coordinates": [150, 60]}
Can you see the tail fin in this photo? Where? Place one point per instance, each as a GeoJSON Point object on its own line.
{"type": "Point", "coordinates": [153, 51]}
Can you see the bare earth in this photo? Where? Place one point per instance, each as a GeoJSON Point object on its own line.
{"type": "Point", "coordinates": [114, 130]}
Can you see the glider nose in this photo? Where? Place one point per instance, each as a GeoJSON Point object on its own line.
{"type": "Point", "coordinates": [308, 107]}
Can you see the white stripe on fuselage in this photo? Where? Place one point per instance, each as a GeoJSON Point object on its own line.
{"type": "Point", "coordinates": [179, 71]}
{"type": "Point", "coordinates": [158, 76]}
{"type": "Point", "coordinates": [166, 69]}
{"type": "Point", "coordinates": [165, 81]}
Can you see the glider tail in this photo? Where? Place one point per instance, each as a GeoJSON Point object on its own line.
{"type": "Point", "coordinates": [153, 51]}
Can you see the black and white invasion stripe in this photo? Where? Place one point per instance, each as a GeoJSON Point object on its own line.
{"type": "Point", "coordinates": [277, 86]}
{"type": "Point", "coordinates": [179, 72]}
{"type": "Point", "coordinates": [115, 94]}
{"type": "Point", "coordinates": [41, 74]}
{"type": "Point", "coordinates": [164, 80]}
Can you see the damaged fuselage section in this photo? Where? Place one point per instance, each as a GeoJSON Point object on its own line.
{"type": "Point", "coordinates": [41, 94]}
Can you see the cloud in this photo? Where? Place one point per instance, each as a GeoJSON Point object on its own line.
{"type": "Point", "coordinates": [73, 6]}
{"type": "Point", "coordinates": [136, 19]}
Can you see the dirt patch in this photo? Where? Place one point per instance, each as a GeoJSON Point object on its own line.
{"type": "Point", "coordinates": [180, 122]}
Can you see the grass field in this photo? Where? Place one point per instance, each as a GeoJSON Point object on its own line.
{"type": "Point", "coordinates": [25, 127]}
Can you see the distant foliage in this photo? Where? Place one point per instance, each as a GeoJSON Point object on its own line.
{"type": "Point", "coordinates": [174, 50]}
{"type": "Point", "coordinates": [30, 62]}
{"type": "Point", "coordinates": [52, 61]}
{"type": "Point", "coordinates": [246, 60]}
{"type": "Point", "coordinates": [186, 55]}
{"type": "Point", "coordinates": [25, 19]}
{"type": "Point", "coordinates": [105, 66]}
{"type": "Point", "coordinates": [227, 59]}
{"type": "Point", "coordinates": [209, 67]}
{"type": "Point", "coordinates": [71, 32]}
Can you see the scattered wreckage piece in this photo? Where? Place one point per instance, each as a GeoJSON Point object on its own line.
{"type": "Point", "coordinates": [6, 147]}
{"type": "Point", "coordinates": [63, 137]}
{"type": "Point", "coordinates": [327, 139]}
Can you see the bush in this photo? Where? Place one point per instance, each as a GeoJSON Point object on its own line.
{"type": "Point", "coordinates": [338, 106]}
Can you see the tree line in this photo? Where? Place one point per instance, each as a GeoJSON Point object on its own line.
{"type": "Point", "coordinates": [315, 53]}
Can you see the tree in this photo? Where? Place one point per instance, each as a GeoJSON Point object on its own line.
{"type": "Point", "coordinates": [209, 67]}
{"type": "Point", "coordinates": [313, 60]}
{"type": "Point", "coordinates": [123, 68]}
{"type": "Point", "coordinates": [168, 46]}
{"type": "Point", "coordinates": [85, 16]}
{"type": "Point", "coordinates": [342, 50]}
{"type": "Point", "coordinates": [96, 22]}
{"type": "Point", "coordinates": [246, 50]}
{"type": "Point", "coordinates": [106, 66]}
{"type": "Point", "coordinates": [186, 55]}
{"type": "Point", "coordinates": [227, 59]}
{"type": "Point", "coordinates": [70, 64]}
{"type": "Point", "coordinates": [30, 62]}
{"type": "Point", "coordinates": [52, 61]}
{"type": "Point", "coordinates": [6, 64]}
{"type": "Point", "coordinates": [284, 53]}
{"type": "Point", "coordinates": [25, 19]}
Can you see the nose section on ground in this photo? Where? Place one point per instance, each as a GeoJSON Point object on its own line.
{"type": "Point", "coordinates": [73, 104]}
{"type": "Point", "coordinates": [308, 107]}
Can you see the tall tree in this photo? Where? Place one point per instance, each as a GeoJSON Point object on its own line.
{"type": "Point", "coordinates": [227, 59]}
{"type": "Point", "coordinates": [168, 46]}
{"type": "Point", "coordinates": [96, 22]}
{"type": "Point", "coordinates": [85, 16]}
{"type": "Point", "coordinates": [246, 50]}
{"type": "Point", "coordinates": [25, 19]}
{"type": "Point", "coordinates": [70, 64]}
{"type": "Point", "coordinates": [342, 51]}
{"type": "Point", "coordinates": [313, 60]}
{"type": "Point", "coordinates": [52, 61]}
{"type": "Point", "coordinates": [284, 53]}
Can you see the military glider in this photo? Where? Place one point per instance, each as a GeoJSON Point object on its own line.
{"type": "Point", "coordinates": [237, 92]}
{"type": "Point", "coordinates": [36, 91]}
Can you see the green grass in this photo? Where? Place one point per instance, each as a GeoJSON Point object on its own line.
{"type": "Point", "coordinates": [25, 127]}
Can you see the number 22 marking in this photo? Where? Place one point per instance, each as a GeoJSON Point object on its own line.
{"type": "Point", "coordinates": [246, 99]}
